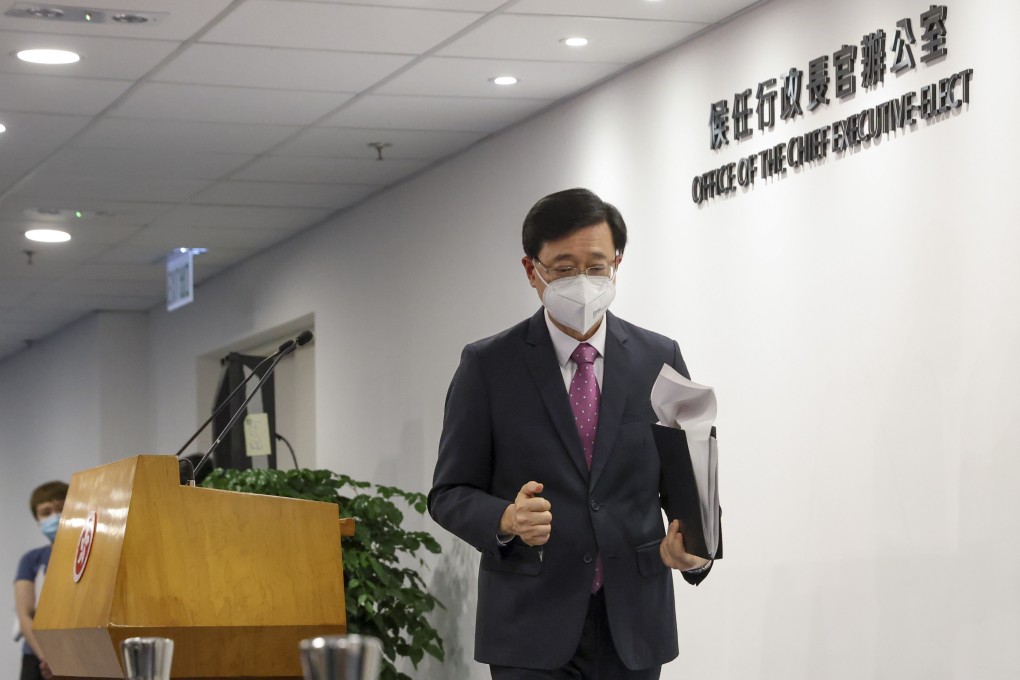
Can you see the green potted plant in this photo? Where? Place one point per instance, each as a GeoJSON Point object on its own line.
{"type": "Point", "coordinates": [385, 593]}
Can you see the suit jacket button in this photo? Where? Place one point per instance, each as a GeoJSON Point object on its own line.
{"type": "Point", "coordinates": [594, 505]}
{"type": "Point", "coordinates": [587, 558]}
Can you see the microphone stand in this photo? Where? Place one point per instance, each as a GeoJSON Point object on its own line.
{"type": "Point", "coordinates": [237, 414]}
{"type": "Point", "coordinates": [226, 402]}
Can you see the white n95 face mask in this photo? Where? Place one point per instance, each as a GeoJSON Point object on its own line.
{"type": "Point", "coordinates": [578, 302]}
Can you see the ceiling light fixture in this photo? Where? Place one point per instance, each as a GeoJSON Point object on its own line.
{"type": "Point", "coordinates": [129, 18]}
{"type": "Point", "coordinates": [575, 42]}
{"type": "Point", "coordinates": [47, 235]}
{"type": "Point", "coordinates": [3, 128]}
{"type": "Point", "coordinates": [63, 215]}
{"type": "Point", "coordinates": [45, 12]}
{"type": "Point", "coordinates": [505, 80]}
{"type": "Point", "coordinates": [48, 57]}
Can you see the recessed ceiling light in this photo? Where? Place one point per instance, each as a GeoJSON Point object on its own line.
{"type": "Point", "coordinates": [575, 42]}
{"type": "Point", "coordinates": [49, 57]}
{"type": "Point", "coordinates": [47, 235]}
{"type": "Point", "coordinates": [504, 80]}
{"type": "Point", "coordinates": [3, 128]}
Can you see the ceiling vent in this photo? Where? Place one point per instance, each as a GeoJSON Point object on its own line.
{"type": "Point", "coordinates": [82, 15]}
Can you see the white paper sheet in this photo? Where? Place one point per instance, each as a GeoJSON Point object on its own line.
{"type": "Point", "coordinates": [684, 404]}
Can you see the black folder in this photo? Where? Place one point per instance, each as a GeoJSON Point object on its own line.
{"type": "Point", "coordinates": [679, 490]}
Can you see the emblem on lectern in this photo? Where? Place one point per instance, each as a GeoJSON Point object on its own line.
{"type": "Point", "coordinates": [81, 556]}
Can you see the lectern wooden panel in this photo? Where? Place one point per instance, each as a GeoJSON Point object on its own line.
{"type": "Point", "coordinates": [235, 580]}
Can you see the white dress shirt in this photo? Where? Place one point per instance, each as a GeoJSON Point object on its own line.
{"type": "Point", "coordinates": [565, 346]}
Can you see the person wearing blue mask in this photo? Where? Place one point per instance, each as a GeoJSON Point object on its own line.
{"type": "Point", "coordinates": [47, 502]}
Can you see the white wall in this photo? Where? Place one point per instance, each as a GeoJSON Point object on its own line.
{"type": "Point", "coordinates": [858, 319]}
{"type": "Point", "coordinates": [123, 385]}
{"type": "Point", "coordinates": [68, 403]}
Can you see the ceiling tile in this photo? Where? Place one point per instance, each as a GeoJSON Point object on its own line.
{"type": "Point", "coordinates": [238, 216]}
{"type": "Point", "coordinates": [478, 114]}
{"type": "Point", "coordinates": [138, 257]}
{"type": "Point", "coordinates": [14, 291]}
{"type": "Point", "coordinates": [7, 181]}
{"type": "Point", "coordinates": [21, 207]}
{"type": "Point", "coordinates": [461, 77]}
{"type": "Point", "coordinates": [111, 58]}
{"type": "Point", "coordinates": [92, 232]}
{"type": "Point", "coordinates": [51, 94]}
{"type": "Point", "coordinates": [120, 272]}
{"type": "Point", "coordinates": [328, 170]}
{"type": "Point", "coordinates": [283, 194]}
{"type": "Point", "coordinates": [68, 190]}
{"type": "Point", "coordinates": [708, 11]}
{"type": "Point", "coordinates": [222, 256]}
{"type": "Point", "coordinates": [219, 104]}
{"type": "Point", "coordinates": [48, 259]}
{"type": "Point", "coordinates": [31, 137]}
{"type": "Point", "coordinates": [10, 344]}
{"type": "Point", "coordinates": [540, 37]}
{"type": "Point", "coordinates": [164, 136]}
{"type": "Point", "coordinates": [184, 18]}
{"type": "Point", "coordinates": [43, 268]}
{"type": "Point", "coordinates": [281, 69]}
{"type": "Point", "coordinates": [98, 286]}
{"type": "Point", "coordinates": [33, 315]}
{"type": "Point", "coordinates": [352, 28]}
{"type": "Point", "coordinates": [354, 143]}
{"type": "Point", "coordinates": [31, 323]}
{"type": "Point", "coordinates": [163, 241]}
{"type": "Point", "coordinates": [170, 164]}
{"type": "Point", "coordinates": [204, 271]}
{"type": "Point", "coordinates": [468, 5]}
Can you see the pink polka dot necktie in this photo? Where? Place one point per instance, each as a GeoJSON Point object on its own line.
{"type": "Point", "coordinates": [584, 402]}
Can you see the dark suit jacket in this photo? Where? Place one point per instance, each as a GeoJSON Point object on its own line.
{"type": "Point", "coordinates": [508, 421]}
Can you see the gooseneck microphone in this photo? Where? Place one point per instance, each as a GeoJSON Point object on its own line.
{"type": "Point", "coordinates": [302, 339]}
{"type": "Point", "coordinates": [285, 349]}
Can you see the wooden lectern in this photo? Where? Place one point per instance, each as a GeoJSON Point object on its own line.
{"type": "Point", "coordinates": [235, 580]}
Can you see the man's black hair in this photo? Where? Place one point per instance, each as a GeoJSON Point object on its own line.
{"type": "Point", "coordinates": [561, 214]}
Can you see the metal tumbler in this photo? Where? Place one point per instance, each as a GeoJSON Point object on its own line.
{"type": "Point", "coordinates": [147, 658]}
{"type": "Point", "coordinates": [341, 657]}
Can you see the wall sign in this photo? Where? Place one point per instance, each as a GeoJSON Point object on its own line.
{"type": "Point", "coordinates": [875, 60]}
{"type": "Point", "coordinates": [180, 279]}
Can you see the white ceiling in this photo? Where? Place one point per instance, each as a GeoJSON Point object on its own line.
{"type": "Point", "coordinates": [232, 125]}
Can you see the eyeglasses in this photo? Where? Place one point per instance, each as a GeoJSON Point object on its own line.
{"type": "Point", "coordinates": [566, 271]}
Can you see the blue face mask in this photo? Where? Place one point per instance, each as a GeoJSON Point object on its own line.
{"type": "Point", "coordinates": [49, 526]}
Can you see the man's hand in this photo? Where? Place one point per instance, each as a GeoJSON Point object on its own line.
{"type": "Point", "coordinates": [45, 669]}
{"type": "Point", "coordinates": [529, 517]}
{"type": "Point", "coordinates": [673, 553]}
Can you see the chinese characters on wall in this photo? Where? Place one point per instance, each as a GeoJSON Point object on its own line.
{"type": "Point", "coordinates": [830, 79]}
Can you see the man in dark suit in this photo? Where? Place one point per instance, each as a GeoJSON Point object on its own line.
{"type": "Point", "coordinates": [547, 466]}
